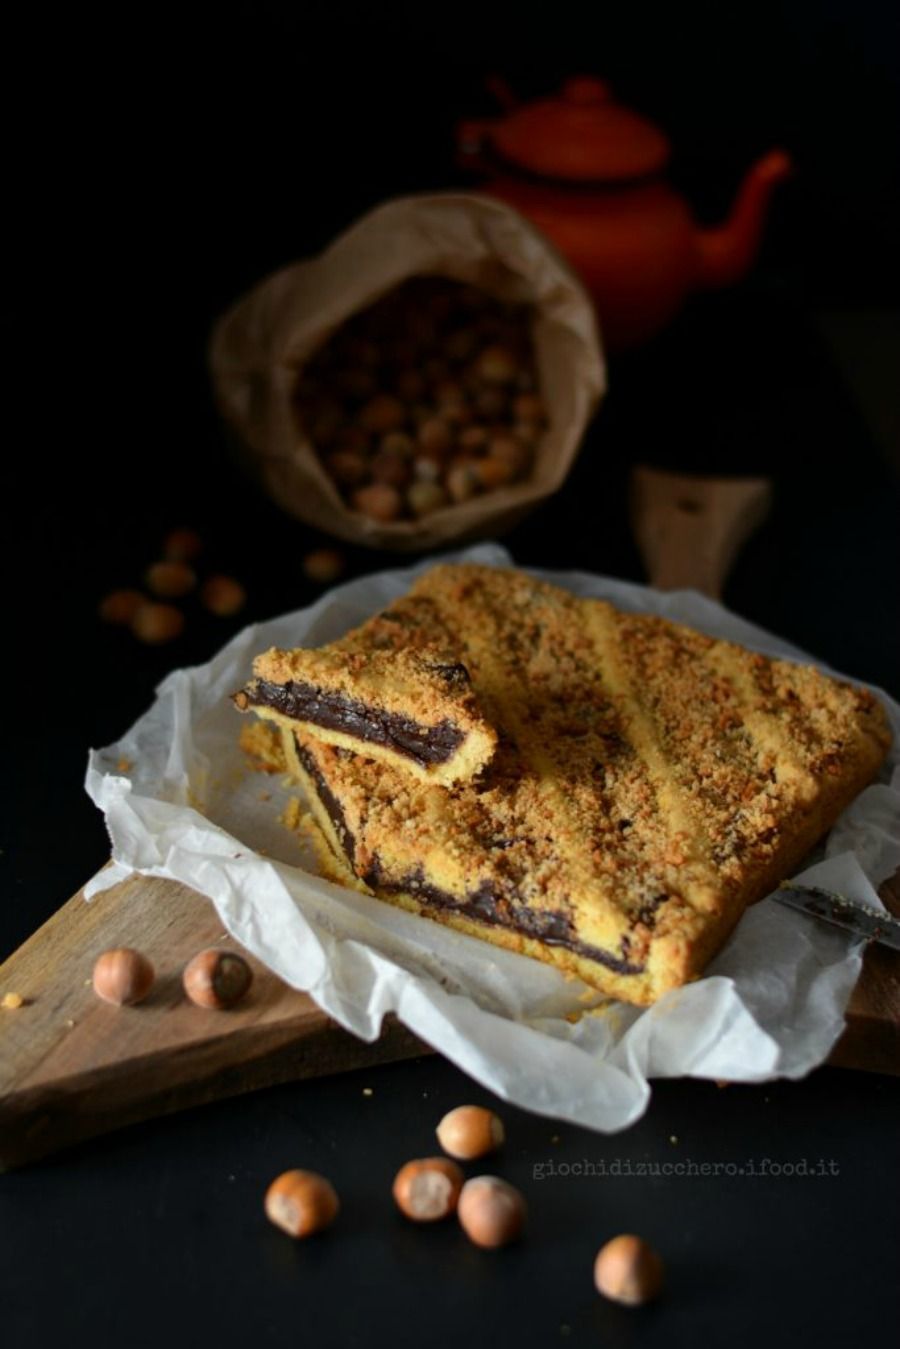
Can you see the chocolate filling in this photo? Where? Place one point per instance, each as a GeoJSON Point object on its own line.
{"type": "Point", "coordinates": [329, 801]}
{"type": "Point", "coordinates": [425, 745]}
{"type": "Point", "coordinates": [483, 904]}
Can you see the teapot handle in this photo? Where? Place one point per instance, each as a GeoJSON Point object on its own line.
{"type": "Point", "coordinates": [503, 92]}
{"type": "Point", "coordinates": [470, 147]}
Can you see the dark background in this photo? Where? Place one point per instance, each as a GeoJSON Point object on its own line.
{"type": "Point", "coordinates": [163, 161]}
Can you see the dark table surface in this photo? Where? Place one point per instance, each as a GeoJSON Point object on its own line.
{"type": "Point", "coordinates": [156, 1235]}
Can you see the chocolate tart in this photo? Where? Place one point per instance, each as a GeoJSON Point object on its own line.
{"type": "Point", "coordinates": [648, 783]}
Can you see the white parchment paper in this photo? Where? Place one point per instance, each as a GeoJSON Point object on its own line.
{"type": "Point", "coordinates": [771, 1003]}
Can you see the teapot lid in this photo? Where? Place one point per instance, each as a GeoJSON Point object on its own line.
{"type": "Point", "coordinates": [580, 135]}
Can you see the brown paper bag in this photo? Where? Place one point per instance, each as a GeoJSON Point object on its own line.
{"type": "Point", "coordinates": [260, 344]}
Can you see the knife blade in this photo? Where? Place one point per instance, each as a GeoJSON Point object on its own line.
{"type": "Point", "coordinates": [860, 919]}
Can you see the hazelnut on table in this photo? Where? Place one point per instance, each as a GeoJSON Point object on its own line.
{"type": "Point", "coordinates": [157, 623]}
{"type": "Point", "coordinates": [628, 1270]}
{"type": "Point", "coordinates": [122, 976]}
{"type": "Point", "coordinates": [428, 1189]}
{"type": "Point", "coordinates": [470, 1131]}
{"type": "Point", "coordinates": [301, 1203]}
{"type": "Point", "coordinates": [170, 580]}
{"type": "Point", "coordinates": [120, 606]}
{"type": "Point", "coordinates": [223, 596]}
{"type": "Point", "coordinates": [491, 1212]}
{"type": "Point", "coordinates": [182, 545]}
{"type": "Point", "coordinates": [217, 979]}
{"type": "Point", "coordinates": [323, 565]}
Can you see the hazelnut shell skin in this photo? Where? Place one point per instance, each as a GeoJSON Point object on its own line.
{"type": "Point", "coordinates": [628, 1270]}
{"type": "Point", "coordinates": [470, 1131]}
{"type": "Point", "coordinates": [223, 596]}
{"type": "Point", "coordinates": [301, 1203]}
{"type": "Point", "coordinates": [217, 979]}
{"type": "Point", "coordinates": [428, 1189]}
{"type": "Point", "coordinates": [123, 976]}
{"type": "Point", "coordinates": [491, 1212]}
{"type": "Point", "coordinates": [170, 580]}
{"type": "Point", "coordinates": [157, 623]}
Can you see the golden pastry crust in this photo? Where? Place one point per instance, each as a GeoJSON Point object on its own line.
{"type": "Point", "coordinates": [649, 781]}
{"type": "Point", "coordinates": [412, 709]}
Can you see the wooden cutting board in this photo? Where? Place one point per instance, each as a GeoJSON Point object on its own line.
{"type": "Point", "coordinates": [72, 1067]}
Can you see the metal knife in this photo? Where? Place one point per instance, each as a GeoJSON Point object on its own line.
{"type": "Point", "coordinates": [860, 919]}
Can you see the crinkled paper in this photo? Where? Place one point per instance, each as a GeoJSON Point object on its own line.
{"type": "Point", "coordinates": [770, 1005]}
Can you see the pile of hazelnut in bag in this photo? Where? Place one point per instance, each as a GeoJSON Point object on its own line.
{"type": "Point", "coordinates": [426, 398]}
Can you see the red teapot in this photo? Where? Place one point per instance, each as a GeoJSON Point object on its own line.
{"type": "Point", "coordinates": [588, 173]}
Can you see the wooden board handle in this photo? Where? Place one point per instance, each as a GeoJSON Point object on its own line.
{"type": "Point", "coordinates": [689, 529]}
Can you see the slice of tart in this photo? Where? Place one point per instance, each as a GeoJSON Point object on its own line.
{"type": "Point", "coordinates": [648, 783]}
{"type": "Point", "coordinates": [414, 710]}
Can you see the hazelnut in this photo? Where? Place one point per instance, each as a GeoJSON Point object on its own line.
{"type": "Point", "coordinates": [122, 976]}
{"type": "Point", "coordinates": [435, 436]}
{"type": "Point", "coordinates": [629, 1271]}
{"type": "Point", "coordinates": [497, 365]}
{"type": "Point", "coordinates": [470, 1131]}
{"type": "Point", "coordinates": [529, 433]}
{"type": "Point", "coordinates": [410, 385]}
{"type": "Point", "coordinates": [528, 407]}
{"type": "Point", "coordinates": [397, 442]}
{"type": "Point", "coordinates": [427, 468]}
{"type": "Point", "coordinates": [491, 1211]}
{"type": "Point", "coordinates": [170, 580]}
{"type": "Point", "coordinates": [449, 391]}
{"type": "Point", "coordinates": [460, 346]}
{"type": "Point", "coordinates": [509, 450]}
{"type": "Point", "coordinates": [491, 404]}
{"type": "Point", "coordinates": [325, 426]}
{"type": "Point", "coordinates": [382, 413]}
{"type": "Point", "coordinates": [217, 979]}
{"type": "Point", "coordinates": [182, 545]}
{"type": "Point", "coordinates": [425, 497]}
{"type": "Point", "coordinates": [347, 467]}
{"type": "Point", "coordinates": [301, 1203]}
{"type": "Point", "coordinates": [323, 565]}
{"type": "Point", "coordinates": [223, 596]}
{"type": "Point", "coordinates": [379, 501]}
{"type": "Point", "coordinates": [352, 440]}
{"type": "Point", "coordinates": [473, 438]}
{"type": "Point", "coordinates": [428, 1190]}
{"type": "Point", "coordinates": [157, 623]}
{"type": "Point", "coordinates": [390, 468]}
{"type": "Point", "coordinates": [420, 413]}
{"type": "Point", "coordinates": [120, 606]}
{"type": "Point", "coordinates": [436, 370]}
{"type": "Point", "coordinates": [457, 412]}
{"type": "Point", "coordinates": [493, 473]}
{"type": "Point", "coordinates": [356, 384]}
{"type": "Point", "coordinates": [462, 482]}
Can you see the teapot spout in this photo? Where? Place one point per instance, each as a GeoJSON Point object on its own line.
{"type": "Point", "coordinates": [726, 252]}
